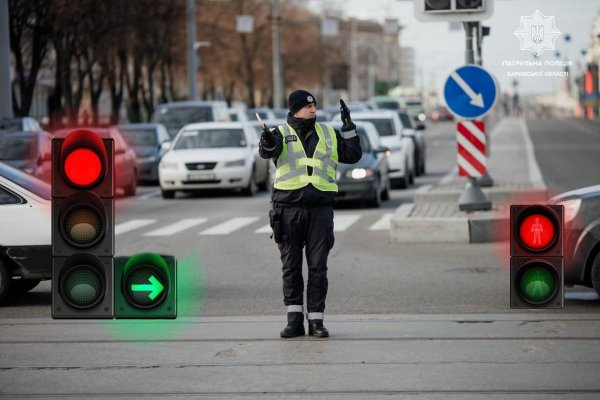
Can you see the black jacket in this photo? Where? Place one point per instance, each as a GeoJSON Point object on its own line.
{"type": "Point", "coordinates": [349, 152]}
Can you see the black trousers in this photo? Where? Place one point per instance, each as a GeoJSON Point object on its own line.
{"type": "Point", "coordinates": [311, 228]}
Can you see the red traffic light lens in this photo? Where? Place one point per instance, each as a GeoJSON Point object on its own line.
{"type": "Point", "coordinates": [83, 159]}
{"type": "Point", "coordinates": [537, 231]}
{"type": "Point", "coordinates": [83, 167]}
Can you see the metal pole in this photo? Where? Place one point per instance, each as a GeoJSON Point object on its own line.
{"type": "Point", "coordinates": [277, 81]}
{"type": "Point", "coordinates": [486, 180]}
{"type": "Point", "coordinates": [472, 198]}
{"type": "Point", "coordinates": [353, 62]}
{"type": "Point", "coordinates": [6, 110]}
{"type": "Point", "coordinates": [192, 65]}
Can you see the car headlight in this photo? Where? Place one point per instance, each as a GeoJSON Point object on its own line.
{"type": "Point", "coordinates": [359, 173]}
{"type": "Point", "coordinates": [571, 209]}
{"type": "Point", "coordinates": [169, 165]}
{"type": "Point", "coordinates": [236, 163]}
{"type": "Point", "coordinates": [421, 117]}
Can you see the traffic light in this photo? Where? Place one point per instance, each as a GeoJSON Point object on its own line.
{"type": "Point", "coordinates": [453, 10]}
{"type": "Point", "coordinates": [536, 256]}
{"type": "Point", "coordinates": [82, 226]}
{"type": "Point", "coordinates": [146, 286]}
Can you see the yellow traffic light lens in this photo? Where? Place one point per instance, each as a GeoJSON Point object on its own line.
{"type": "Point", "coordinates": [82, 286]}
{"type": "Point", "coordinates": [83, 226]}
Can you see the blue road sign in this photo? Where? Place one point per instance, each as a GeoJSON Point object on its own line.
{"type": "Point", "coordinates": [470, 92]}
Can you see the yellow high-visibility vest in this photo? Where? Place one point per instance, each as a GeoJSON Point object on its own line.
{"type": "Point", "coordinates": [292, 171]}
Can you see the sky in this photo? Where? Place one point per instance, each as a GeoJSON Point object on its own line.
{"type": "Point", "coordinates": [438, 50]}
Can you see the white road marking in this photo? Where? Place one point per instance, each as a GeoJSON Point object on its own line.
{"type": "Point", "coordinates": [264, 229]}
{"type": "Point", "coordinates": [176, 227]}
{"type": "Point", "coordinates": [132, 225]}
{"type": "Point", "coordinates": [229, 226]}
{"type": "Point", "coordinates": [382, 224]}
{"type": "Point", "coordinates": [341, 222]}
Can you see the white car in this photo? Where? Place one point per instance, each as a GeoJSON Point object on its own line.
{"type": "Point", "coordinates": [402, 147]}
{"type": "Point", "coordinates": [25, 238]}
{"type": "Point", "coordinates": [212, 155]}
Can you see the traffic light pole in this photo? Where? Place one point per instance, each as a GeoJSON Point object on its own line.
{"type": "Point", "coordinates": [5, 92]}
{"type": "Point", "coordinates": [472, 198]}
{"type": "Point", "coordinates": [486, 180]}
{"type": "Point", "coordinates": [192, 64]}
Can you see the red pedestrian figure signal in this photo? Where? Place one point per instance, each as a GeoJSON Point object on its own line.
{"type": "Point", "coordinates": [536, 262]}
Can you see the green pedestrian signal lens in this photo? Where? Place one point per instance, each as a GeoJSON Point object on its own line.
{"type": "Point", "coordinates": [82, 286]}
{"type": "Point", "coordinates": [145, 286]}
{"type": "Point", "coordinates": [537, 284]}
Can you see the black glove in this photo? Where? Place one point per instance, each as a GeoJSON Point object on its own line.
{"type": "Point", "coordinates": [348, 125]}
{"type": "Point", "coordinates": [266, 138]}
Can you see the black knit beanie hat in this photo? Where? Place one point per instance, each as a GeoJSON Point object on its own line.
{"type": "Point", "coordinates": [299, 99]}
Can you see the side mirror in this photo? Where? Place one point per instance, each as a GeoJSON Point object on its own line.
{"type": "Point", "coordinates": [420, 127]}
{"type": "Point", "coordinates": [165, 146]}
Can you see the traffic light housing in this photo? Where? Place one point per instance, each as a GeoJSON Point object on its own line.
{"type": "Point", "coordinates": [146, 286]}
{"type": "Point", "coordinates": [453, 10]}
{"type": "Point", "coordinates": [82, 226]}
{"type": "Point", "coordinates": [536, 256]}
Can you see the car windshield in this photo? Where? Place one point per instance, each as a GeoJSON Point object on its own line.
{"type": "Point", "coordinates": [140, 137]}
{"type": "Point", "coordinates": [384, 126]}
{"type": "Point", "coordinates": [18, 147]}
{"type": "Point", "coordinates": [23, 179]}
{"type": "Point", "coordinates": [175, 118]}
{"type": "Point", "coordinates": [252, 114]}
{"type": "Point", "coordinates": [406, 121]}
{"type": "Point", "coordinates": [211, 138]}
{"type": "Point", "coordinates": [388, 105]}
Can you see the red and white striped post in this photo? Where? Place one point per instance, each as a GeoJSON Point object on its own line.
{"type": "Point", "coordinates": [471, 142]}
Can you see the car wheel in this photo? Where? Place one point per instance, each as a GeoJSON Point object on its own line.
{"type": "Point", "coordinates": [375, 202]}
{"type": "Point", "coordinates": [5, 280]}
{"type": "Point", "coordinates": [252, 187]}
{"type": "Point", "coordinates": [21, 286]}
{"type": "Point", "coordinates": [167, 194]}
{"type": "Point", "coordinates": [130, 190]}
{"type": "Point", "coordinates": [418, 162]}
{"type": "Point", "coordinates": [411, 177]}
{"type": "Point", "coordinates": [386, 191]}
{"type": "Point", "coordinates": [596, 273]}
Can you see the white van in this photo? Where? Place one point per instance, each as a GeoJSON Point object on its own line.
{"type": "Point", "coordinates": [176, 114]}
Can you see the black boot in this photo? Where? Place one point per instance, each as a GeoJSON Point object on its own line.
{"type": "Point", "coordinates": [295, 326]}
{"type": "Point", "coordinates": [316, 328]}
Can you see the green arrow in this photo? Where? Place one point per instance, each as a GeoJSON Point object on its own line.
{"type": "Point", "coordinates": [155, 287]}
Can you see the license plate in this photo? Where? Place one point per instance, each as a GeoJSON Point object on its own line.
{"type": "Point", "coordinates": [201, 177]}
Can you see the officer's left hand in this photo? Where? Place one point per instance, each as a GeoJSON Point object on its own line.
{"type": "Point", "coordinates": [348, 125]}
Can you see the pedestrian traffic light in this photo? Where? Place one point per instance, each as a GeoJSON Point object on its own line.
{"type": "Point", "coordinates": [146, 286]}
{"type": "Point", "coordinates": [82, 226]}
{"type": "Point", "coordinates": [536, 256]}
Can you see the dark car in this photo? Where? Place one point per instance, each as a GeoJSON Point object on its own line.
{"type": "Point", "coordinates": [368, 179]}
{"type": "Point", "coordinates": [582, 236]}
{"type": "Point", "coordinates": [22, 124]}
{"type": "Point", "coordinates": [441, 113]}
{"type": "Point", "coordinates": [416, 132]}
{"type": "Point", "coordinates": [148, 143]}
{"type": "Point", "coordinates": [29, 151]}
{"type": "Point", "coordinates": [125, 164]}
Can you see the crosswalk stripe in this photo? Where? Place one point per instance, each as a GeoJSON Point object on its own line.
{"type": "Point", "coordinates": [229, 226]}
{"type": "Point", "coordinates": [382, 223]}
{"type": "Point", "coordinates": [341, 222]}
{"type": "Point", "coordinates": [264, 229]}
{"type": "Point", "coordinates": [176, 227]}
{"type": "Point", "coordinates": [132, 225]}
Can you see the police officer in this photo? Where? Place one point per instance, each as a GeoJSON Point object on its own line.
{"type": "Point", "coordinates": [306, 154]}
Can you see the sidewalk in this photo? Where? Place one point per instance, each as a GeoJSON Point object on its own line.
{"type": "Point", "coordinates": [491, 356]}
{"type": "Point", "coordinates": [434, 215]}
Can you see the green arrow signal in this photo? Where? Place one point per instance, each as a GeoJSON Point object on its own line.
{"type": "Point", "coordinates": [155, 287]}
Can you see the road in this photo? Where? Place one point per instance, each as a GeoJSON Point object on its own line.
{"type": "Point", "coordinates": [231, 267]}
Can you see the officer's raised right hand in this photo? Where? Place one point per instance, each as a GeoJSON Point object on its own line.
{"type": "Point", "coordinates": [266, 138]}
{"type": "Point", "coordinates": [348, 125]}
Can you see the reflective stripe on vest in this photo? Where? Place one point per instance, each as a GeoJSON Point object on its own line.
{"type": "Point", "coordinates": [292, 171]}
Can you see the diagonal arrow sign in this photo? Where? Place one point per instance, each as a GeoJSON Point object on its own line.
{"type": "Point", "coordinates": [155, 287]}
{"type": "Point", "coordinates": [476, 98]}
